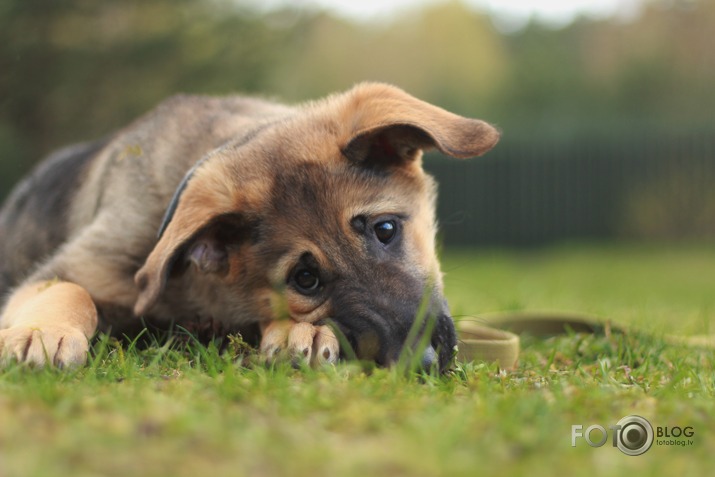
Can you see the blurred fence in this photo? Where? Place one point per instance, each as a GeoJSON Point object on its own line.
{"type": "Point", "coordinates": [531, 192]}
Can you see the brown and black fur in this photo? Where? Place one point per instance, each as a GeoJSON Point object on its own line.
{"type": "Point", "coordinates": [250, 198]}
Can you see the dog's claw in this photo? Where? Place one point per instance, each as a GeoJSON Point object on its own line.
{"type": "Point", "coordinates": [304, 342]}
{"type": "Point", "coordinates": [273, 352]}
{"type": "Point", "coordinates": [327, 343]}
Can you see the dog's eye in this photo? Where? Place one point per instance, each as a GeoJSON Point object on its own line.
{"type": "Point", "coordinates": [385, 231]}
{"type": "Point", "coordinates": [306, 281]}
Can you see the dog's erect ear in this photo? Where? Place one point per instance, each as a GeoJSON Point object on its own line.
{"type": "Point", "coordinates": [389, 125]}
{"type": "Point", "coordinates": [196, 230]}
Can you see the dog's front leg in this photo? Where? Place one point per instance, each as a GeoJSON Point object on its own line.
{"type": "Point", "coordinates": [47, 322]}
{"type": "Point", "coordinates": [299, 341]}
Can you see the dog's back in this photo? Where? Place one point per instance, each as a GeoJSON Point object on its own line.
{"type": "Point", "coordinates": [33, 222]}
{"type": "Point", "coordinates": [64, 192]}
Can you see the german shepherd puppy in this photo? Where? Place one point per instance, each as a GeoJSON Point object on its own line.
{"type": "Point", "coordinates": [287, 218]}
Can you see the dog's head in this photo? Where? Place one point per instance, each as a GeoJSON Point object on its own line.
{"type": "Point", "coordinates": [323, 215]}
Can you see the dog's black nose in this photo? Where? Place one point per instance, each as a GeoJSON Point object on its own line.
{"type": "Point", "coordinates": [429, 358]}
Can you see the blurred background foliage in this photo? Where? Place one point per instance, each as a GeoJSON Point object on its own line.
{"type": "Point", "coordinates": [608, 123]}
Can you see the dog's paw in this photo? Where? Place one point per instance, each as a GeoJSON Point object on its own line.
{"type": "Point", "coordinates": [300, 342]}
{"type": "Point", "coordinates": [60, 346]}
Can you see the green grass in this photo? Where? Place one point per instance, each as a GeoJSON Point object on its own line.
{"type": "Point", "coordinates": [187, 412]}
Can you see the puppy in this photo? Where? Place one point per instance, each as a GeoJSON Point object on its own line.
{"type": "Point", "coordinates": [307, 221]}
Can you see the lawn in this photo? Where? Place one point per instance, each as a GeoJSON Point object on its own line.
{"type": "Point", "coordinates": [187, 412]}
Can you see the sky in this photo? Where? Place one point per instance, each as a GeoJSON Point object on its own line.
{"type": "Point", "coordinates": [508, 14]}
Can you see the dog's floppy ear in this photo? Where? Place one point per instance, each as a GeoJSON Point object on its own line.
{"type": "Point", "coordinates": [205, 204]}
{"type": "Point", "coordinates": [389, 125]}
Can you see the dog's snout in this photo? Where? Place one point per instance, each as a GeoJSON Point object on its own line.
{"type": "Point", "coordinates": [388, 331]}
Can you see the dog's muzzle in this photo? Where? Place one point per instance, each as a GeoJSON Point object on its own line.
{"type": "Point", "coordinates": [387, 320]}
{"type": "Point", "coordinates": [380, 340]}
